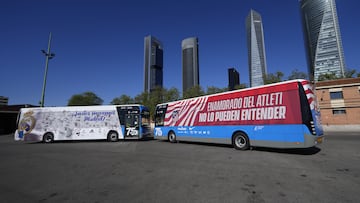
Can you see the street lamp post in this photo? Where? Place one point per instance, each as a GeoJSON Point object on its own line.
{"type": "Point", "coordinates": [48, 56]}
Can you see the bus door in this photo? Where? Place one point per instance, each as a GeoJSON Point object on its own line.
{"type": "Point", "coordinates": [131, 126]}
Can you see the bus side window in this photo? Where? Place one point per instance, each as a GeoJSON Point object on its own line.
{"type": "Point", "coordinates": [121, 113]}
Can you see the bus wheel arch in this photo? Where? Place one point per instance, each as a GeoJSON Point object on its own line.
{"type": "Point", "coordinates": [172, 136]}
{"type": "Point", "coordinates": [240, 140]}
{"type": "Point", "coordinates": [112, 136]}
{"type": "Point", "coordinates": [48, 137]}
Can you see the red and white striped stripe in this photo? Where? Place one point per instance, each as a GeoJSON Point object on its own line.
{"type": "Point", "coordinates": [309, 94]}
{"type": "Point", "coordinates": [184, 113]}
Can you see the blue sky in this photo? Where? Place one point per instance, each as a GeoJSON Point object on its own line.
{"type": "Point", "coordinates": [99, 44]}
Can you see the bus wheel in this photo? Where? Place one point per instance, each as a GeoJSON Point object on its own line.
{"type": "Point", "coordinates": [112, 136]}
{"type": "Point", "coordinates": [172, 137]}
{"type": "Point", "coordinates": [241, 141]}
{"type": "Point", "coordinates": [48, 138]}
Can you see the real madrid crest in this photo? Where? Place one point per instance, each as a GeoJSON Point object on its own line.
{"type": "Point", "coordinates": [27, 123]}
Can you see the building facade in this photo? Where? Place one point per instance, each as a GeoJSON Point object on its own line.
{"type": "Point", "coordinates": [190, 63]}
{"type": "Point", "coordinates": [256, 49]}
{"type": "Point", "coordinates": [322, 38]}
{"type": "Point", "coordinates": [339, 101]}
{"type": "Point", "coordinates": [4, 101]}
{"type": "Point", "coordinates": [153, 64]}
{"type": "Point", "coordinates": [233, 78]}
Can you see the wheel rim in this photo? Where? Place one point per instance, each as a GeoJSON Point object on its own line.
{"type": "Point", "coordinates": [113, 136]}
{"type": "Point", "coordinates": [172, 137]}
{"type": "Point", "coordinates": [48, 138]}
{"type": "Point", "coordinates": [240, 141]}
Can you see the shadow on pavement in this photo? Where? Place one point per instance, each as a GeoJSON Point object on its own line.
{"type": "Point", "coordinates": [88, 141]}
{"type": "Point", "coordinates": [299, 151]}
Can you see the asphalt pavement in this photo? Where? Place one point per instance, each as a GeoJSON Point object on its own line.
{"type": "Point", "coordinates": [159, 171]}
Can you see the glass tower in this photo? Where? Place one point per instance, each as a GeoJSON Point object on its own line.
{"type": "Point", "coordinates": [190, 63]}
{"type": "Point", "coordinates": [233, 78]}
{"type": "Point", "coordinates": [322, 38]}
{"type": "Point", "coordinates": [153, 64]}
{"type": "Point", "coordinates": [256, 49]}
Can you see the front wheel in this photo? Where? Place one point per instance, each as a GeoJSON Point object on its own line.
{"type": "Point", "coordinates": [241, 141]}
{"type": "Point", "coordinates": [48, 138]}
{"type": "Point", "coordinates": [112, 136]}
{"type": "Point", "coordinates": [172, 137]}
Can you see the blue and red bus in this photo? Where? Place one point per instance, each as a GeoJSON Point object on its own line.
{"type": "Point", "coordinates": [280, 115]}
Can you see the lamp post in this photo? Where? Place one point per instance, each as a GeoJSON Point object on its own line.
{"type": "Point", "coordinates": [48, 56]}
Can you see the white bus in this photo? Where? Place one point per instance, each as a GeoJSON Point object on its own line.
{"type": "Point", "coordinates": [111, 122]}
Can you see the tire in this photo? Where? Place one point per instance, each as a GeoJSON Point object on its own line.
{"type": "Point", "coordinates": [48, 138]}
{"type": "Point", "coordinates": [241, 141]}
{"type": "Point", "coordinates": [172, 137]}
{"type": "Point", "coordinates": [113, 136]}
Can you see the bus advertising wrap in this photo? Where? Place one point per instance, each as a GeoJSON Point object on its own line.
{"type": "Point", "coordinates": [280, 115]}
{"type": "Point", "coordinates": [275, 105]}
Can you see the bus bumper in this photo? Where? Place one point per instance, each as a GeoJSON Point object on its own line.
{"type": "Point", "coordinates": [312, 140]}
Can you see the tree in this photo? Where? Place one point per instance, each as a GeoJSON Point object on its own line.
{"type": "Point", "coordinates": [85, 99]}
{"type": "Point", "coordinates": [296, 74]}
{"type": "Point", "coordinates": [327, 76]}
{"type": "Point", "coordinates": [150, 100]}
{"type": "Point", "coordinates": [171, 95]}
{"type": "Point", "coordinates": [273, 78]}
{"type": "Point", "coordinates": [142, 98]}
{"type": "Point", "coordinates": [349, 73]}
{"type": "Point", "coordinates": [240, 86]}
{"type": "Point", "coordinates": [123, 99]}
{"type": "Point", "coordinates": [157, 96]}
{"type": "Point", "coordinates": [194, 91]}
{"type": "Point", "coordinates": [214, 90]}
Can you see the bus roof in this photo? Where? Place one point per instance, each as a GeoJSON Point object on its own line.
{"type": "Point", "coordinates": [93, 107]}
{"type": "Point", "coordinates": [245, 89]}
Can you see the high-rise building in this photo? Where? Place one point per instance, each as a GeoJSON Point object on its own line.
{"type": "Point", "coordinates": [256, 49]}
{"type": "Point", "coordinates": [153, 63]}
{"type": "Point", "coordinates": [190, 62]}
{"type": "Point", "coordinates": [322, 38]}
{"type": "Point", "coordinates": [233, 78]}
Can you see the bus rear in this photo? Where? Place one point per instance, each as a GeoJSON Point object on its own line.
{"type": "Point", "coordinates": [310, 114]}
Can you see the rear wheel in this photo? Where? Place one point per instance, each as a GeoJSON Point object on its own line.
{"type": "Point", "coordinates": [112, 136]}
{"type": "Point", "coordinates": [172, 137]}
{"type": "Point", "coordinates": [48, 138]}
{"type": "Point", "coordinates": [241, 141]}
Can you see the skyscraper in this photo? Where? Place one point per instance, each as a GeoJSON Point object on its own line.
{"type": "Point", "coordinates": [190, 62]}
{"type": "Point", "coordinates": [153, 63]}
{"type": "Point", "coordinates": [256, 48]}
{"type": "Point", "coordinates": [322, 38]}
{"type": "Point", "coordinates": [233, 78]}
